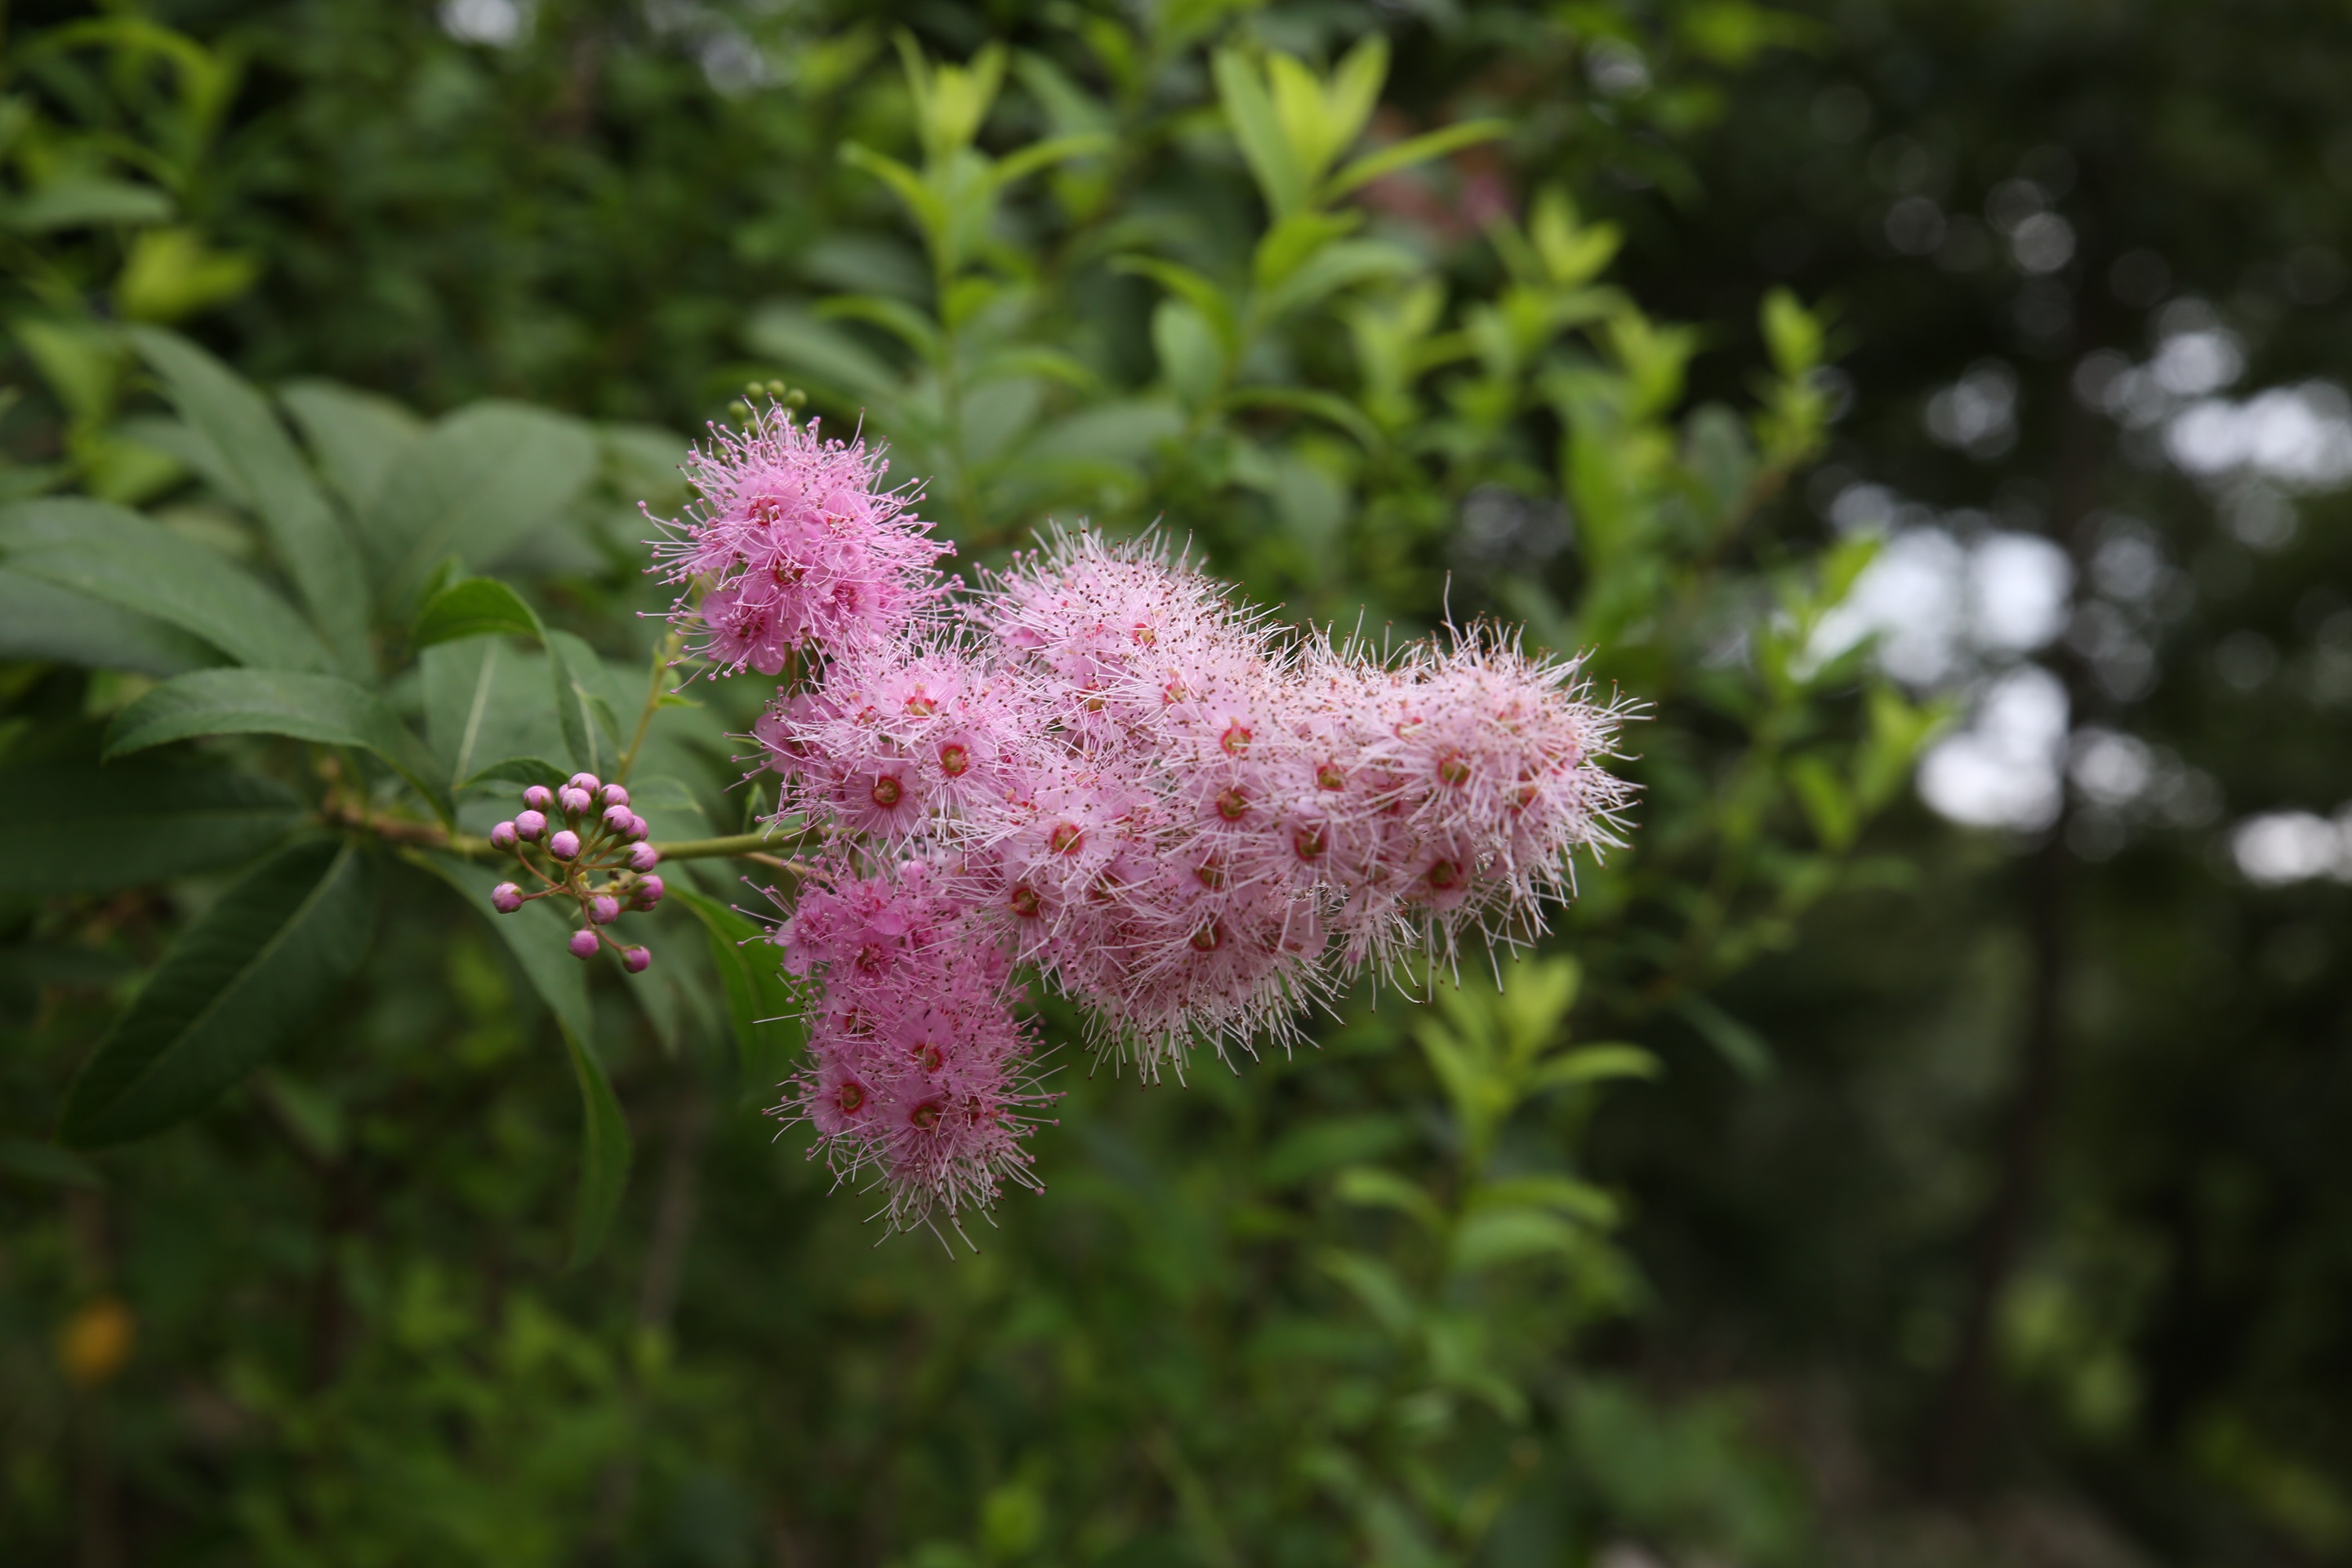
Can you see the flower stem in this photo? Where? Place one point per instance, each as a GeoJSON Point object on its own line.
{"type": "Point", "coordinates": [665, 656]}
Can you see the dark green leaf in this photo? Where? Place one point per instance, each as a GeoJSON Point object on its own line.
{"type": "Point", "coordinates": [487, 699]}
{"type": "Point", "coordinates": [536, 935]}
{"type": "Point", "coordinates": [310, 540]}
{"type": "Point", "coordinates": [47, 1163]}
{"type": "Point", "coordinates": [108, 553]}
{"type": "Point", "coordinates": [40, 620]}
{"type": "Point", "coordinates": [760, 1001]}
{"type": "Point", "coordinates": [237, 986]}
{"type": "Point", "coordinates": [321, 707]}
{"type": "Point", "coordinates": [477, 607]}
{"type": "Point", "coordinates": [518, 769]}
{"type": "Point", "coordinates": [91, 829]}
{"type": "Point", "coordinates": [484, 478]}
{"type": "Point", "coordinates": [75, 203]}
{"type": "Point", "coordinates": [1737, 1044]}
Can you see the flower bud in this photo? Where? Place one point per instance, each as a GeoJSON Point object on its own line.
{"type": "Point", "coordinates": [583, 781]}
{"type": "Point", "coordinates": [530, 825]}
{"type": "Point", "coordinates": [613, 794]}
{"type": "Point", "coordinates": [637, 829]}
{"type": "Point", "coordinates": [617, 818]}
{"type": "Point", "coordinates": [649, 892]}
{"type": "Point", "coordinates": [573, 799]}
{"type": "Point", "coordinates": [564, 846]}
{"type": "Point", "coordinates": [506, 897]}
{"type": "Point", "coordinates": [643, 857]}
{"type": "Point", "coordinates": [636, 959]}
{"type": "Point", "coordinates": [603, 909]}
{"type": "Point", "coordinates": [539, 797]}
{"type": "Point", "coordinates": [502, 836]}
{"type": "Point", "coordinates": [584, 944]}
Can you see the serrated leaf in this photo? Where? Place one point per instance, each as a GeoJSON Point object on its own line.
{"type": "Point", "coordinates": [237, 986]}
{"type": "Point", "coordinates": [321, 707]}
{"type": "Point", "coordinates": [310, 541]}
{"type": "Point", "coordinates": [477, 607]}
{"type": "Point", "coordinates": [483, 480]}
{"type": "Point", "coordinates": [41, 620]}
{"type": "Point", "coordinates": [536, 935]}
{"type": "Point", "coordinates": [759, 1003]}
{"type": "Point", "coordinates": [106, 553]}
{"type": "Point", "coordinates": [91, 830]}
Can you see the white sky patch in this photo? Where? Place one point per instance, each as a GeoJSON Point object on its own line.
{"type": "Point", "coordinates": [498, 22]}
{"type": "Point", "coordinates": [2297, 435]}
{"type": "Point", "coordinates": [2002, 770]}
{"type": "Point", "coordinates": [2281, 846]}
{"type": "Point", "coordinates": [1938, 603]}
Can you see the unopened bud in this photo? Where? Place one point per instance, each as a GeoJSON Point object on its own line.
{"type": "Point", "coordinates": [539, 797]}
{"type": "Point", "coordinates": [618, 818]}
{"type": "Point", "coordinates": [614, 795]}
{"type": "Point", "coordinates": [649, 892]}
{"type": "Point", "coordinates": [573, 799]}
{"type": "Point", "coordinates": [530, 825]}
{"type": "Point", "coordinates": [502, 836]}
{"type": "Point", "coordinates": [636, 959]}
{"type": "Point", "coordinates": [643, 857]}
{"type": "Point", "coordinates": [584, 944]}
{"type": "Point", "coordinates": [564, 844]}
{"type": "Point", "coordinates": [583, 781]}
{"type": "Point", "coordinates": [506, 897]}
{"type": "Point", "coordinates": [603, 909]}
{"type": "Point", "coordinates": [637, 829]}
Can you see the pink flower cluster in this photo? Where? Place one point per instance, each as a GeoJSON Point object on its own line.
{"type": "Point", "coordinates": [1097, 771]}
{"type": "Point", "coordinates": [584, 829]}
{"type": "Point", "coordinates": [793, 543]}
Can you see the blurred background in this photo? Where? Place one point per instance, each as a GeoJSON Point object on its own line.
{"type": "Point", "coordinates": [1994, 1202]}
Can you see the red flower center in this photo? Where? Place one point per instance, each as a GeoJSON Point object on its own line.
{"type": "Point", "coordinates": [925, 1117]}
{"type": "Point", "coordinates": [1066, 839]}
{"type": "Point", "coordinates": [1025, 901]}
{"type": "Point", "coordinates": [930, 1057]}
{"type": "Point", "coordinates": [1235, 740]}
{"type": "Point", "coordinates": [1445, 874]}
{"type": "Point", "coordinates": [1232, 805]}
{"type": "Point", "coordinates": [954, 760]}
{"type": "Point", "coordinates": [1209, 938]}
{"type": "Point", "coordinates": [849, 1097]}
{"type": "Point", "coordinates": [887, 791]}
{"type": "Point", "coordinates": [1308, 842]}
{"type": "Point", "coordinates": [1328, 776]}
{"type": "Point", "coordinates": [1210, 874]}
{"type": "Point", "coordinates": [920, 706]}
{"type": "Point", "coordinates": [1454, 767]}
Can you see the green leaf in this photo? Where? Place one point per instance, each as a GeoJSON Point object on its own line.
{"type": "Point", "coordinates": [118, 557]}
{"type": "Point", "coordinates": [1495, 1237]}
{"type": "Point", "coordinates": [1324, 405]}
{"type": "Point", "coordinates": [238, 985]}
{"type": "Point", "coordinates": [536, 935]}
{"type": "Point", "coordinates": [1375, 1285]}
{"type": "Point", "coordinates": [1737, 1044]}
{"type": "Point", "coordinates": [760, 1001]}
{"type": "Point", "coordinates": [477, 484]}
{"type": "Point", "coordinates": [1596, 1064]}
{"type": "Point", "coordinates": [486, 700]}
{"type": "Point", "coordinates": [477, 607]}
{"type": "Point", "coordinates": [1195, 290]}
{"type": "Point", "coordinates": [1370, 1186]}
{"type": "Point", "coordinates": [80, 203]}
{"type": "Point", "coordinates": [517, 770]}
{"type": "Point", "coordinates": [47, 1163]}
{"type": "Point", "coordinates": [1413, 150]}
{"type": "Point", "coordinates": [1793, 334]}
{"type": "Point", "coordinates": [603, 1151]}
{"type": "Point", "coordinates": [321, 707]}
{"type": "Point", "coordinates": [1249, 110]}
{"type": "Point", "coordinates": [1566, 1194]}
{"type": "Point", "coordinates": [356, 436]}
{"type": "Point", "coordinates": [40, 620]}
{"type": "Point", "coordinates": [82, 829]}
{"type": "Point", "coordinates": [591, 730]}
{"type": "Point", "coordinates": [310, 539]}
{"type": "Point", "coordinates": [1037, 155]}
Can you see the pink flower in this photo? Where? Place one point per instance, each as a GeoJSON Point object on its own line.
{"type": "Point", "coordinates": [798, 544]}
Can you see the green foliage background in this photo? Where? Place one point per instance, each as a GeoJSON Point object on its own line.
{"type": "Point", "coordinates": [1837, 1186]}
